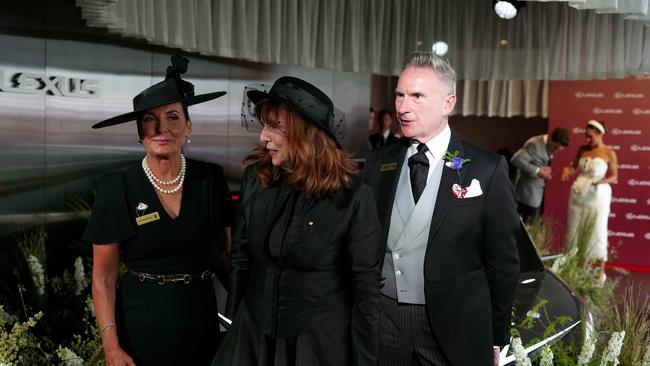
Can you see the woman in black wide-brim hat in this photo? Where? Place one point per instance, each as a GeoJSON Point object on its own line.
{"type": "Point", "coordinates": [166, 215]}
{"type": "Point", "coordinates": [306, 250]}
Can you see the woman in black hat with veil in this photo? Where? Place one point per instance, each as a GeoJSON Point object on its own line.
{"type": "Point", "coordinates": [306, 251]}
{"type": "Point", "coordinates": [164, 215]}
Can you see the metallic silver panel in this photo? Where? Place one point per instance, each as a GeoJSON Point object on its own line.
{"type": "Point", "coordinates": [51, 156]}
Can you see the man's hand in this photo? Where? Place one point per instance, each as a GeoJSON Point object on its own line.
{"type": "Point", "coordinates": [497, 351]}
{"type": "Point", "coordinates": [544, 172]}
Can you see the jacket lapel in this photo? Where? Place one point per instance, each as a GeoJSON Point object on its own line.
{"type": "Point", "coordinates": [389, 180]}
{"type": "Point", "coordinates": [445, 196]}
{"type": "Point", "coordinates": [542, 151]}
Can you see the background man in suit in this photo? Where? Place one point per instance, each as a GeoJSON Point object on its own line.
{"type": "Point", "coordinates": [450, 264]}
{"type": "Point", "coordinates": [385, 136]}
{"type": "Point", "coordinates": [533, 163]}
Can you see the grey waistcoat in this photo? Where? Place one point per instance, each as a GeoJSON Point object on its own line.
{"type": "Point", "coordinates": [407, 238]}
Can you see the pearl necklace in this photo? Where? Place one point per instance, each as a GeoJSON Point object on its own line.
{"type": "Point", "coordinates": [155, 181]}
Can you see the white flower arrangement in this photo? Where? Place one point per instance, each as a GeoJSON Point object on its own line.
{"type": "Point", "coordinates": [559, 263]}
{"type": "Point", "coordinates": [587, 352]}
{"type": "Point", "coordinates": [68, 357]}
{"type": "Point", "coordinates": [521, 357]}
{"type": "Point", "coordinates": [38, 274]}
{"type": "Point", "coordinates": [610, 355]}
{"type": "Point", "coordinates": [547, 357]}
{"type": "Point", "coordinates": [79, 276]}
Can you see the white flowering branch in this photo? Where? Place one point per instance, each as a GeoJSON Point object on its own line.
{"type": "Point", "coordinates": [38, 274]}
{"type": "Point", "coordinates": [79, 276]}
{"type": "Point", "coordinates": [588, 348]}
{"type": "Point", "coordinates": [521, 357]}
{"type": "Point", "coordinates": [613, 350]}
{"type": "Point", "coordinates": [547, 357]}
{"type": "Point", "coordinates": [68, 357]}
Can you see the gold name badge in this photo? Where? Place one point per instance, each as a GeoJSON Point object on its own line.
{"type": "Point", "coordinates": [145, 219]}
{"type": "Point", "coordinates": [388, 167]}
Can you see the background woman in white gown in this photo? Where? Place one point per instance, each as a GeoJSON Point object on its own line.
{"type": "Point", "coordinates": [591, 193]}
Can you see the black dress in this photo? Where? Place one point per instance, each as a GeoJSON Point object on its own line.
{"type": "Point", "coordinates": [170, 324]}
{"type": "Point", "coordinates": [305, 280]}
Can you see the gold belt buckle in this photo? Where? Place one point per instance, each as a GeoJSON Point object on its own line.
{"type": "Point", "coordinates": [161, 279]}
{"type": "Point", "coordinates": [141, 276]}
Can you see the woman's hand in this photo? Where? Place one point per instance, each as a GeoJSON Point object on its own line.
{"type": "Point", "coordinates": [567, 172]}
{"type": "Point", "coordinates": [117, 357]}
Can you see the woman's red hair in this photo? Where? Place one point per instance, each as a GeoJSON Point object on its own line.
{"type": "Point", "coordinates": [314, 165]}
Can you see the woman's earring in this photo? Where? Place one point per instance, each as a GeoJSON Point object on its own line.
{"type": "Point", "coordinates": [187, 139]}
{"type": "Point", "coordinates": [140, 141]}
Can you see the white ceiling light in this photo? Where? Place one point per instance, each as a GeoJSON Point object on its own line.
{"type": "Point", "coordinates": [505, 9]}
{"type": "Point", "coordinates": [440, 48]}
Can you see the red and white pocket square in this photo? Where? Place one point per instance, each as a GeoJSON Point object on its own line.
{"type": "Point", "coordinates": [474, 190]}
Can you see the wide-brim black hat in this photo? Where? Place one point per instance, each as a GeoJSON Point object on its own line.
{"type": "Point", "coordinates": [171, 90]}
{"type": "Point", "coordinates": [305, 99]}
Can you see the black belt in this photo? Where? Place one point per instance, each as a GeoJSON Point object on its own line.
{"type": "Point", "coordinates": [181, 278]}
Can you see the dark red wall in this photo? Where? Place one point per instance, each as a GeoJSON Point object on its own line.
{"type": "Point", "coordinates": [625, 107]}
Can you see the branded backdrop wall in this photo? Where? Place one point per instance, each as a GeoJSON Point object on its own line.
{"type": "Point", "coordinates": [53, 90]}
{"type": "Point", "coordinates": [624, 105]}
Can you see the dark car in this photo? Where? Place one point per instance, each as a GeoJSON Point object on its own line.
{"type": "Point", "coordinates": [538, 284]}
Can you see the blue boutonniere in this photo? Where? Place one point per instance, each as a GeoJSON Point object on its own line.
{"type": "Point", "coordinates": [455, 162]}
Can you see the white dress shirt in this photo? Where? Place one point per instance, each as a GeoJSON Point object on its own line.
{"type": "Point", "coordinates": [437, 148]}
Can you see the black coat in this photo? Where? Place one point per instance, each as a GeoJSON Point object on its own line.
{"type": "Point", "coordinates": [471, 265]}
{"type": "Point", "coordinates": [328, 264]}
{"type": "Point", "coordinates": [377, 139]}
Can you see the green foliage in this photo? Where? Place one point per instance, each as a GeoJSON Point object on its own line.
{"type": "Point", "coordinates": [66, 333]}
{"type": "Point", "coordinates": [633, 317]}
{"type": "Point", "coordinates": [630, 314]}
{"type": "Point", "coordinates": [30, 264]}
{"type": "Point", "coordinates": [88, 344]}
{"type": "Point", "coordinates": [580, 273]}
{"type": "Point", "coordinates": [529, 321]}
{"type": "Point", "coordinates": [541, 231]}
{"type": "Point", "coordinates": [32, 242]}
{"type": "Point", "coordinates": [13, 342]}
{"type": "Point", "coordinates": [81, 207]}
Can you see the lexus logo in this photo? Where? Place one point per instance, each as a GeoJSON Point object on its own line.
{"type": "Point", "coordinates": [618, 131]}
{"type": "Point", "coordinates": [639, 111]}
{"type": "Point", "coordinates": [619, 95]}
{"type": "Point", "coordinates": [589, 95]}
{"type": "Point", "coordinates": [598, 110]}
{"type": "Point", "coordinates": [635, 182]}
{"type": "Point", "coordinates": [32, 83]}
{"type": "Point", "coordinates": [636, 148]}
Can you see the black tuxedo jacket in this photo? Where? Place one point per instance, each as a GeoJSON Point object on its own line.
{"type": "Point", "coordinates": [471, 265]}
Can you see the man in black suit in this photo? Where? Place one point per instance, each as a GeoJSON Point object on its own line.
{"type": "Point", "coordinates": [385, 136]}
{"type": "Point", "coordinates": [450, 226]}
